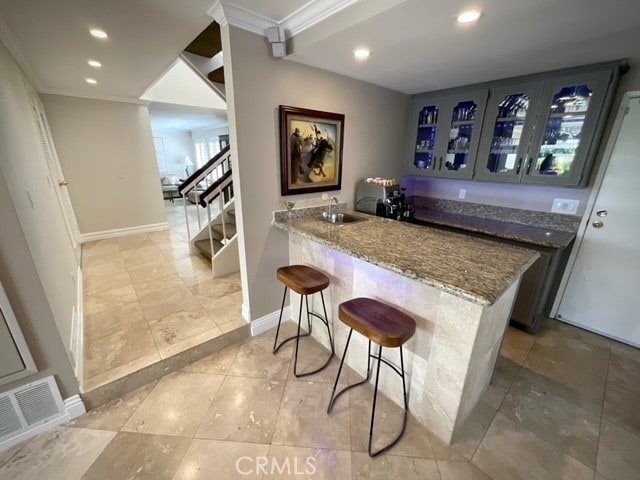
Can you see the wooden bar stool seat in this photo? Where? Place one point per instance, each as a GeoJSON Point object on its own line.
{"type": "Point", "coordinates": [302, 279]}
{"type": "Point", "coordinates": [305, 281]}
{"type": "Point", "coordinates": [387, 327]}
{"type": "Point", "coordinates": [381, 323]}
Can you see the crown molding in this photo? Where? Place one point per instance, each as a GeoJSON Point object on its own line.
{"type": "Point", "coordinates": [9, 40]}
{"type": "Point", "coordinates": [229, 14]}
{"type": "Point", "coordinates": [313, 12]}
{"type": "Point", "coordinates": [217, 13]}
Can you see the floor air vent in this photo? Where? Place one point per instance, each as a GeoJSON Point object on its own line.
{"type": "Point", "coordinates": [29, 406]}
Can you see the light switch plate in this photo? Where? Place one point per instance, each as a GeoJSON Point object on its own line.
{"type": "Point", "coordinates": [565, 205]}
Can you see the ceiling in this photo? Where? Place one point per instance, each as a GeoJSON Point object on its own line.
{"type": "Point", "coordinates": [180, 118]}
{"type": "Point", "coordinates": [416, 45]}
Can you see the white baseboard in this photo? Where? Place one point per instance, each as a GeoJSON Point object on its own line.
{"type": "Point", "coordinates": [269, 321]}
{"type": "Point", "coordinates": [245, 313]}
{"type": "Point", "coordinates": [74, 407]}
{"type": "Point", "coordinates": [121, 232]}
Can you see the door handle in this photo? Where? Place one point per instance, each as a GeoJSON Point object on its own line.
{"type": "Point", "coordinates": [530, 161]}
{"type": "Point", "coordinates": [598, 224]}
{"type": "Point", "coordinates": [440, 167]}
{"type": "Point", "coordinates": [62, 183]}
{"type": "Point", "coordinates": [602, 213]}
{"type": "Point", "coordinates": [519, 165]}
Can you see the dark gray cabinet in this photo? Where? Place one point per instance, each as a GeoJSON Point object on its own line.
{"type": "Point", "coordinates": [540, 129]}
{"type": "Point", "coordinates": [538, 287]}
{"type": "Point", "coordinates": [447, 134]}
{"type": "Point", "coordinates": [539, 284]}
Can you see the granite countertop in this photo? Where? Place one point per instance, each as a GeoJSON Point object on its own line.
{"type": "Point", "coordinates": [541, 236]}
{"type": "Point", "coordinates": [475, 269]}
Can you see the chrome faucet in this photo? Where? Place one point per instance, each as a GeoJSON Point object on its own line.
{"type": "Point", "coordinates": [332, 201]}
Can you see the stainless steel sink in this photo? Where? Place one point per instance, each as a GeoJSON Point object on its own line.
{"type": "Point", "coordinates": [340, 218]}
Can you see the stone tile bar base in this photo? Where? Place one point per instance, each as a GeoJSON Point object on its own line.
{"type": "Point", "coordinates": [450, 359]}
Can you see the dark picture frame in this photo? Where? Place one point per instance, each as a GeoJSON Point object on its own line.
{"type": "Point", "coordinates": [310, 150]}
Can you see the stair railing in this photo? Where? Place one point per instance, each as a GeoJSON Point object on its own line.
{"type": "Point", "coordinates": [201, 181]}
{"type": "Point", "coordinates": [222, 190]}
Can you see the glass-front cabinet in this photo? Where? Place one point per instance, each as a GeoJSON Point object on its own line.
{"type": "Point", "coordinates": [508, 128]}
{"type": "Point", "coordinates": [542, 132]}
{"type": "Point", "coordinates": [424, 154]}
{"type": "Point", "coordinates": [567, 121]}
{"type": "Point", "coordinates": [540, 129]}
{"type": "Point", "coordinates": [447, 134]}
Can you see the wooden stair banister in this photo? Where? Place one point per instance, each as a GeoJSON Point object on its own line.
{"type": "Point", "coordinates": [215, 189]}
{"type": "Point", "coordinates": [196, 177]}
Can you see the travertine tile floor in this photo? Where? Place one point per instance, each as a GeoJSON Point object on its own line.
{"type": "Point", "coordinates": [146, 298]}
{"type": "Point", "coordinates": [563, 405]}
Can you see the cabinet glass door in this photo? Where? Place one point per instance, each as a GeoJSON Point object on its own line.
{"type": "Point", "coordinates": [463, 114]}
{"type": "Point", "coordinates": [569, 119]}
{"type": "Point", "coordinates": [425, 157]}
{"type": "Point", "coordinates": [461, 133]}
{"type": "Point", "coordinates": [506, 136]}
{"type": "Point", "coordinates": [564, 126]}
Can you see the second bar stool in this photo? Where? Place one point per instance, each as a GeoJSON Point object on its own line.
{"type": "Point", "coordinates": [388, 327]}
{"type": "Point", "coordinates": [305, 281]}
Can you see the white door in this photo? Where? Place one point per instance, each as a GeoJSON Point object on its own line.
{"type": "Point", "coordinates": [65, 300]}
{"type": "Point", "coordinates": [55, 172]}
{"type": "Point", "coordinates": [603, 287]}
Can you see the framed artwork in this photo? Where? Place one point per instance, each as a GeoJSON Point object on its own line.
{"type": "Point", "coordinates": [310, 150]}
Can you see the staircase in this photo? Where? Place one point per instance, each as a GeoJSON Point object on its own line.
{"type": "Point", "coordinates": [204, 56]}
{"type": "Point", "coordinates": [214, 236]}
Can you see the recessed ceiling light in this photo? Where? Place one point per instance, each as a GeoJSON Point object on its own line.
{"type": "Point", "coordinates": [469, 16]}
{"type": "Point", "coordinates": [91, 81]}
{"type": "Point", "coordinates": [94, 63]}
{"type": "Point", "coordinates": [361, 53]}
{"type": "Point", "coordinates": [96, 32]}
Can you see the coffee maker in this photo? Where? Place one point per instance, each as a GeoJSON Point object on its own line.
{"type": "Point", "coordinates": [383, 198]}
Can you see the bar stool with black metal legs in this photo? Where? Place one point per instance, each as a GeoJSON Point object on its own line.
{"type": "Point", "coordinates": [388, 327]}
{"type": "Point", "coordinates": [305, 281]}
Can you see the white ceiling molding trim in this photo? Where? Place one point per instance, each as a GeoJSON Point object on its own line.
{"type": "Point", "coordinates": [8, 38]}
{"type": "Point", "coordinates": [228, 14]}
{"type": "Point", "coordinates": [217, 13]}
{"type": "Point", "coordinates": [310, 15]}
{"type": "Point", "coordinates": [313, 12]}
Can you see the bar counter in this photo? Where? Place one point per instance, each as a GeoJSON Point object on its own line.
{"type": "Point", "coordinates": [459, 289]}
{"type": "Point", "coordinates": [471, 268]}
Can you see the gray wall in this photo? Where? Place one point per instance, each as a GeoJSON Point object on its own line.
{"type": "Point", "coordinates": [107, 154]}
{"type": "Point", "coordinates": [526, 196]}
{"type": "Point", "coordinates": [29, 303]}
{"type": "Point", "coordinates": [374, 135]}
